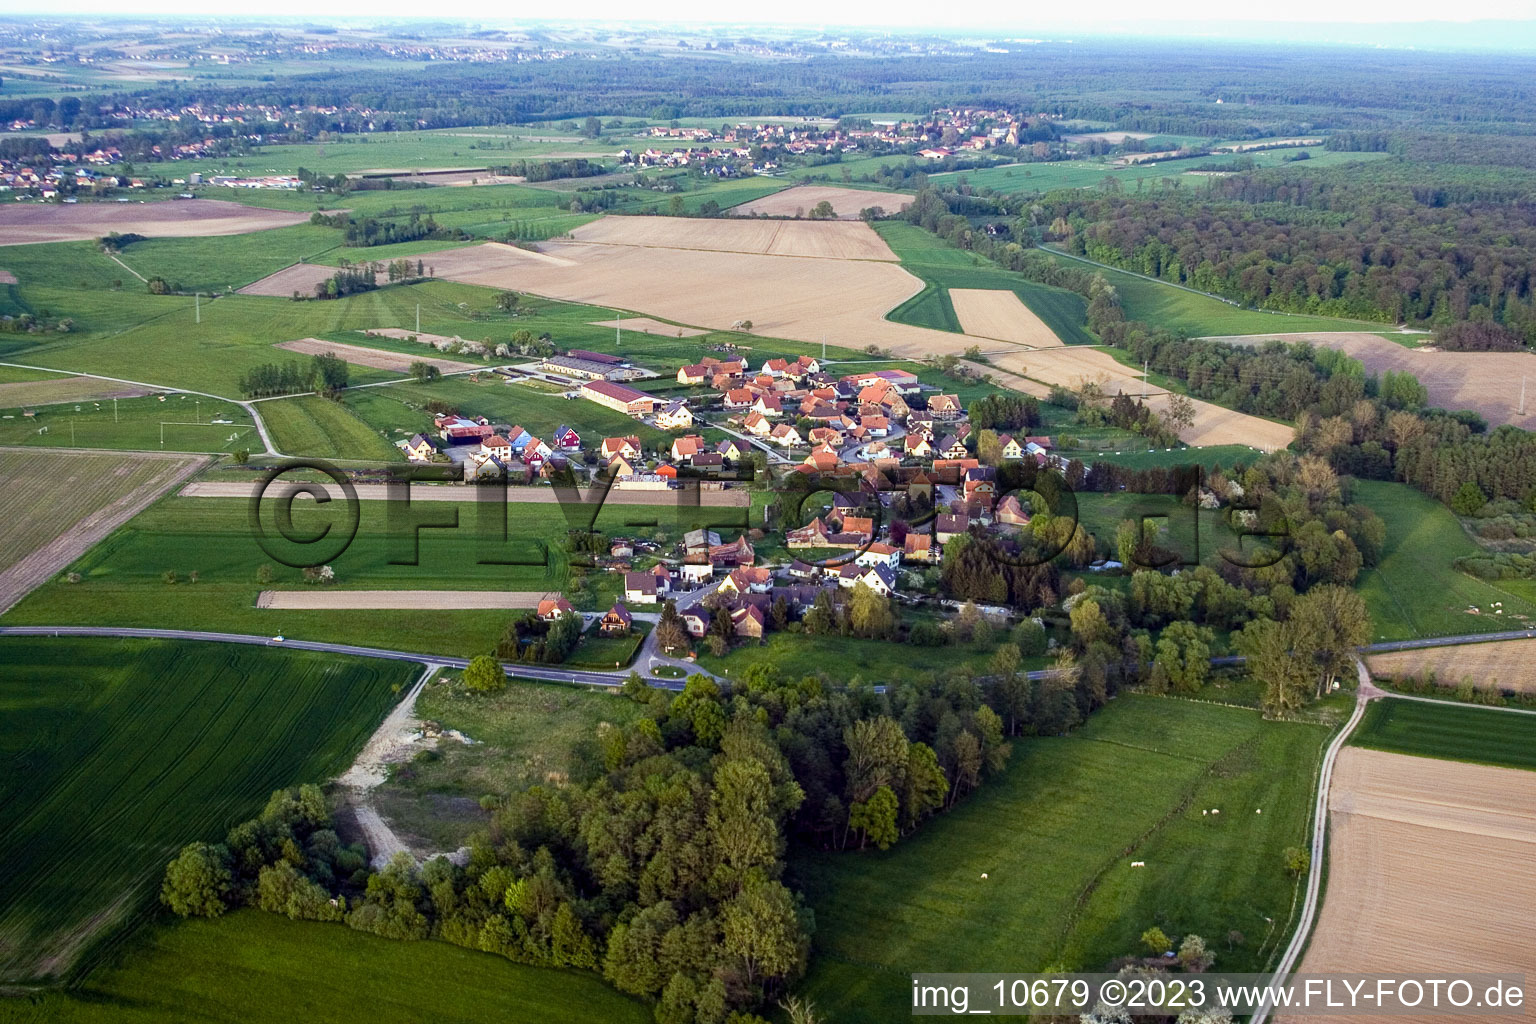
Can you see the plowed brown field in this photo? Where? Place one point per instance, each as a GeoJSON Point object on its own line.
{"type": "Point", "coordinates": [377, 358]}
{"type": "Point", "coordinates": [1509, 663]}
{"type": "Point", "coordinates": [1431, 867]}
{"type": "Point", "coordinates": [27, 223]}
{"type": "Point", "coordinates": [800, 200]}
{"type": "Point", "coordinates": [993, 313]}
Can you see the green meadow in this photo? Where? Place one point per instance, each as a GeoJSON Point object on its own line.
{"type": "Point", "coordinates": [1198, 315]}
{"type": "Point", "coordinates": [1415, 590]}
{"type": "Point", "coordinates": [181, 423]}
{"type": "Point", "coordinates": [124, 578]}
{"type": "Point", "coordinates": [258, 968]}
{"type": "Point", "coordinates": [1454, 732]}
{"type": "Point", "coordinates": [322, 428]}
{"type": "Point", "coordinates": [1032, 872]}
{"type": "Point", "coordinates": [121, 751]}
{"type": "Point", "coordinates": [941, 266]}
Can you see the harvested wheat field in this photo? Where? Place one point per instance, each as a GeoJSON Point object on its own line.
{"type": "Point", "coordinates": [645, 325]}
{"type": "Point", "coordinates": [1509, 664]}
{"type": "Point", "coordinates": [54, 505]}
{"type": "Point", "coordinates": [1432, 867]}
{"type": "Point", "coordinates": [1488, 383]}
{"type": "Point", "coordinates": [27, 223]}
{"type": "Point", "coordinates": [399, 600]}
{"type": "Point", "coordinates": [377, 358]}
{"type": "Point", "coordinates": [1002, 315]}
{"type": "Point", "coordinates": [820, 239]}
{"type": "Point", "coordinates": [488, 258]}
{"type": "Point", "coordinates": [799, 201]}
{"type": "Point", "coordinates": [65, 389]}
{"type": "Point", "coordinates": [1070, 367]}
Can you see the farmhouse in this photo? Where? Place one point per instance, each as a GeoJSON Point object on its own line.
{"type": "Point", "coordinates": [879, 578]}
{"type": "Point", "coordinates": [551, 609]}
{"type": "Point", "coordinates": [619, 397]}
{"type": "Point", "coordinates": [918, 547]}
{"type": "Point", "coordinates": [948, 527]}
{"type": "Point", "coordinates": [695, 374]}
{"type": "Point", "coordinates": [747, 580]}
{"type": "Point", "coordinates": [749, 622]}
{"type": "Point", "coordinates": [685, 448]}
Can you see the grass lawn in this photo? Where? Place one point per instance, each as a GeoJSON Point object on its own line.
{"type": "Point", "coordinates": [1456, 733]}
{"type": "Point", "coordinates": [941, 266]}
{"type": "Point", "coordinates": [1164, 305]}
{"type": "Point", "coordinates": [399, 410]}
{"type": "Point", "coordinates": [255, 968]}
{"type": "Point", "coordinates": [124, 750]}
{"type": "Point", "coordinates": [529, 734]}
{"type": "Point", "coordinates": [124, 575]}
{"type": "Point", "coordinates": [607, 652]}
{"type": "Point", "coordinates": [1056, 834]}
{"type": "Point", "coordinates": [848, 658]}
{"type": "Point", "coordinates": [316, 426]}
{"type": "Point", "coordinates": [182, 421]}
{"type": "Point", "coordinates": [1415, 590]}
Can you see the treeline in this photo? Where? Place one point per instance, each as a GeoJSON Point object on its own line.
{"type": "Point", "coordinates": [1290, 241]}
{"type": "Point", "coordinates": [364, 277]}
{"type": "Point", "coordinates": [368, 231]}
{"type": "Point", "coordinates": [660, 862]}
{"type": "Point", "coordinates": [325, 372]}
{"type": "Point", "coordinates": [549, 170]}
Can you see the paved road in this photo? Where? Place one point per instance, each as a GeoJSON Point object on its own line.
{"type": "Point", "coordinates": [540, 672]}
{"type": "Point", "coordinates": [1363, 696]}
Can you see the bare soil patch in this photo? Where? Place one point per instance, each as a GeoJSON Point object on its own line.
{"type": "Point", "coordinates": [1432, 867]}
{"type": "Point", "coordinates": [28, 223]}
{"type": "Point", "coordinates": [54, 505]}
{"type": "Point", "coordinates": [65, 389]}
{"type": "Point", "coordinates": [1511, 664]}
{"type": "Point", "coordinates": [800, 200]}
{"type": "Point", "coordinates": [821, 239]}
{"type": "Point", "coordinates": [377, 358]}
{"type": "Point", "coordinates": [645, 325]}
{"type": "Point", "coordinates": [1114, 138]}
{"type": "Point", "coordinates": [1000, 314]}
{"type": "Point", "coordinates": [1488, 383]}
{"type": "Point", "coordinates": [404, 600]}
{"type": "Point", "coordinates": [6, 277]}
{"type": "Point", "coordinates": [401, 334]}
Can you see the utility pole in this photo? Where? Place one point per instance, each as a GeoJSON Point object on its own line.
{"type": "Point", "coordinates": [618, 329]}
{"type": "Point", "coordinates": [114, 410]}
{"type": "Point", "coordinates": [197, 305]}
{"type": "Point", "coordinates": [1143, 380]}
{"type": "Point", "coordinates": [418, 318]}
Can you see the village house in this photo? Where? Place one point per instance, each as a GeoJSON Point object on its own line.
{"type": "Point", "coordinates": [685, 448]}
{"type": "Point", "coordinates": [497, 447]}
{"type": "Point", "coordinates": [917, 446]}
{"type": "Point", "coordinates": [812, 535]}
{"type": "Point", "coordinates": [747, 580]}
{"type": "Point", "coordinates": [1010, 446]}
{"type": "Point", "coordinates": [710, 462]}
{"type": "Point", "coordinates": [696, 621]}
{"type": "Point", "coordinates": [676, 416]}
{"type": "Point", "coordinates": [981, 485]}
{"type": "Point", "coordinates": [739, 398]}
{"type": "Point", "coordinates": [786, 435]}
{"type": "Point", "coordinates": [768, 405]}
{"type": "Point", "coordinates": [951, 448]}
{"type": "Point", "coordinates": [879, 578]}
{"type": "Point", "coordinates": [802, 570]}
{"type": "Point", "coordinates": [629, 447]}
{"type": "Point", "coordinates": [639, 588]}
{"type": "Point", "coordinates": [622, 547]}
{"type": "Point", "coordinates": [566, 438]}
{"type": "Point", "coordinates": [551, 609]}
{"type": "Point", "coordinates": [948, 527]}
{"type": "Point", "coordinates": [917, 547]}
{"type": "Point", "coordinates": [749, 621]}
{"type": "Point", "coordinates": [945, 407]}
{"type": "Point", "coordinates": [757, 425]}
{"type": "Point", "coordinates": [617, 621]}
{"type": "Point", "coordinates": [419, 448]}
{"type": "Point", "coordinates": [1011, 513]}
{"type": "Point", "coordinates": [737, 552]}
{"type": "Point", "coordinates": [696, 572]}
{"type": "Point", "coordinates": [696, 374]}
{"type": "Point", "coordinates": [729, 449]}
{"type": "Point", "coordinates": [879, 554]}
{"type": "Point", "coordinates": [822, 459]}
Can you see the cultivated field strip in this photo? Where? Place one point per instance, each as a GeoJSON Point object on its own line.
{"type": "Point", "coordinates": [995, 313]}
{"type": "Point", "coordinates": [146, 745]}
{"type": "Point", "coordinates": [1432, 867]}
{"type": "Point", "coordinates": [1508, 664]}
{"type": "Point", "coordinates": [311, 599]}
{"type": "Point", "coordinates": [54, 505]}
{"type": "Point", "coordinates": [189, 218]}
{"type": "Point", "coordinates": [800, 200]}
{"type": "Point", "coordinates": [377, 358]}
{"type": "Point", "coordinates": [65, 389]}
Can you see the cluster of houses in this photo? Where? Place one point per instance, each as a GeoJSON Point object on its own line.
{"type": "Point", "coordinates": [493, 451]}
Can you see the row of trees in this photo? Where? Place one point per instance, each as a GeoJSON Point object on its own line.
{"type": "Point", "coordinates": [324, 372]}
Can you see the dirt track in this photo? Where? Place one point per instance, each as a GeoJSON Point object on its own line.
{"type": "Point", "coordinates": [846, 202]}
{"type": "Point", "coordinates": [29, 223]}
{"type": "Point", "coordinates": [379, 359]}
{"type": "Point", "coordinates": [450, 492]}
{"type": "Point", "coordinates": [645, 325]}
{"type": "Point", "coordinates": [403, 600]}
{"type": "Point", "coordinates": [1488, 383]}
{"type": "Point", "coordinates": [73, 535]}
{"type": "Point", "coordinates": [995, 313]}
{"type": "Point", "coordinates": [1432, 867]}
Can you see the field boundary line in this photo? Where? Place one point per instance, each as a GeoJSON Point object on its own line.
{"type": "Point", "coordinates": [1303, 933]}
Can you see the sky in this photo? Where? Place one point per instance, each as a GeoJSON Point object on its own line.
{"type": "Point", "coordinates": [992, 16]}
